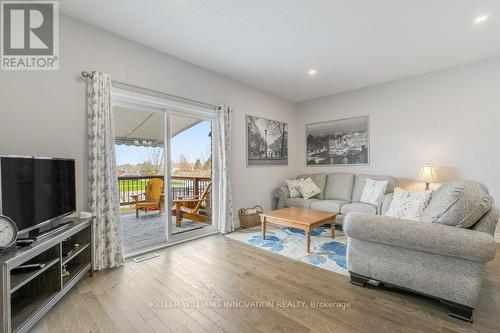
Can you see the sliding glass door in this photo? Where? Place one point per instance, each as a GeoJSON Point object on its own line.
{"type": "Point", "coordinates": [165, 172]}
{"type": "Point", "coordinates": [139, 139]}
{"type": "Point", "coordinates": [190, 173]}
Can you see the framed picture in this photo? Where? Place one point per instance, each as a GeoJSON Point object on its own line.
{"type": "Point", "coordinates": [267, 141]}
{"type": "Point", "coordinates": [338, 142]}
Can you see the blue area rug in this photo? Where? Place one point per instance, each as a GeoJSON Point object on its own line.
{"type": "Point", "coordinates": [326, 252]}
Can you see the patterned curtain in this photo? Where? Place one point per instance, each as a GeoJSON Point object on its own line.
{"type": "Point", "coordinates": [103, 188]}
{"type": "Point", "coordinates": [223, 156]}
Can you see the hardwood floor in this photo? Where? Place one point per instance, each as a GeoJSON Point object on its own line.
{"type": "Point", "coordinates": [140, 297]}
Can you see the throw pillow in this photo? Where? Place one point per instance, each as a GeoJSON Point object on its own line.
{"type": "Point", "coordinates": [458, 203]}
{"type": "Point", "coordinates": [293, 187]}
{"type": "Point", "coordinates": [408, 205]}
{"type": "Point", "coordinates": [309, 189]}
{"type": "Point", "coordinates": [374, 191]}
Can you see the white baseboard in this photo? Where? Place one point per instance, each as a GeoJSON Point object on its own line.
{"type": "Point", "coordinates": [497, 237]}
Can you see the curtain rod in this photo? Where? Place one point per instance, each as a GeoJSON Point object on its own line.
{"type": "Point", "coordinates": [131, 87]}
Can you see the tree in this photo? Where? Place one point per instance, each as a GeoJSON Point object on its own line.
{"type": "Point", "coordinates": [183, 163]}
{"type": "Point", "coordinates": [207, 157]}
{"type": "Point", "coordinates": [155, 159]}
{"type": "Point", "coordinates": [147, 169]}
{"type": "Point", "coordinates": [197, 165]}
{"type": "Point", "coordinates": [207, 166]}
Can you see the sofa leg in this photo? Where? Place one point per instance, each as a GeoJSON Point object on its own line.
{"type": "Point", "coordinates": [358, 280]}
{"type": "Point", "coordinates": [459, 311]}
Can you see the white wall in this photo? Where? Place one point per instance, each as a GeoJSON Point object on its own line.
{"type": "Point", "coordinates": [43, 113]}
{"type": "Point", "coordinates": [449, 118]}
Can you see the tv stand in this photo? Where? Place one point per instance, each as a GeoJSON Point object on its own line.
{"type": "Point", "coordinates": [28, 294]}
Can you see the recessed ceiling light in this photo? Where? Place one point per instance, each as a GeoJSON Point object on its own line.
{"type": "Point", "coordinates": [312, 72]}
{"type": "Point", "coordinates": [481, 19]}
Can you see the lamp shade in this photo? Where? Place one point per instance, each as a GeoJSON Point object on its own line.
{"type": "Point", "coordinates": [427, 174]}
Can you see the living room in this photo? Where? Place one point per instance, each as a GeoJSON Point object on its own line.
{"type": "Point", "coordinates": [320, 166]}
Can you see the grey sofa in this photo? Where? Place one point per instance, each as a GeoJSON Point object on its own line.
{"type": "Point", "coordinates": [442, 256]}
{"type": "Point", "coordinates": [340, 193]}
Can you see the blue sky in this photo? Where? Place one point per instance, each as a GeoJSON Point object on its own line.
{"type": "Point", "coordinates": [193, 143]}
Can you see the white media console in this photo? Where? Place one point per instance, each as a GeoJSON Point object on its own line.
{"type": "Point", "coordinates": [27, 295]}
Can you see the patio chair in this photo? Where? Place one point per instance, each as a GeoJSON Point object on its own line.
{"type": "Point", "coordinates": [154, 197]}
{"type": "Point", "coordinates": [189, 208]}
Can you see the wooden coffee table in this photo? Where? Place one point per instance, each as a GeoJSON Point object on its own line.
{"type": "Point", "coordinates": [300, 218]}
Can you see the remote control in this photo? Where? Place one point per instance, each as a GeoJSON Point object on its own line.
{"type": "Point", "coordinates": [28, 267]}
{"type": "Point", "coordinates": [25, 242]}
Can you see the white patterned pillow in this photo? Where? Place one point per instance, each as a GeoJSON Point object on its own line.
{"type": "Point", "coordinates": [408, 205]}
{"type": "Point", "coordinates": [293, 187]}
{"type": "Point", "coordinates": [374, 191]}
{"type": "Point", "coordinates": [309, 189]}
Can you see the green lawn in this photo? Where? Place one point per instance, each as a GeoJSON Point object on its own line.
{"type": "Point", "coordinates": [140, 184]}
{"type": "Point", "coordinates": [135, 186]}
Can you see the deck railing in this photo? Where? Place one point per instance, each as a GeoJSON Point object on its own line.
{"type": "Point", "coordinates": [180, 187]}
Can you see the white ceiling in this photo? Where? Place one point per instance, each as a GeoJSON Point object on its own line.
{"type": "Point", "coordinates": [271, 44]}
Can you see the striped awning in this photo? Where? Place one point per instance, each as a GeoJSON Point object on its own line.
{"type": "Point", "coordinates": [145, 129]}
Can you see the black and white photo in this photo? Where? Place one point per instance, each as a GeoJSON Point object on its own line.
{"type": "Point", "coordinates": [338, 142]}
{"type": "Point", "coordinates": [267, 141]}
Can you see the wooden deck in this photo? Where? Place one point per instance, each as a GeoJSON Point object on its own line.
{"type": "Point", "coordinates": [150, 229]}
{"type": "Point", "coordinates": [137, 297]}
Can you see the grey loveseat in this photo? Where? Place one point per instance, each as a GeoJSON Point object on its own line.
{"type": "Point", "coordinates": [340, 193]}
{"type": "Point", "coordinates": [443, 255]}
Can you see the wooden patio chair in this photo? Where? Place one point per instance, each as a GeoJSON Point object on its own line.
{"type": "Point", "coordinates": [189, 207]}
{"type": "Point", "coordinates": [153, 194]}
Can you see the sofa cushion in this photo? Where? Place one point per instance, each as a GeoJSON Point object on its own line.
{"type": "Point", "coordinates": [358, 207]}
{"type": "Point", "coordinates": [320, 180]}
{"type": "Point", "coordinates": [308, 189]}
{"type": "Point", "coordinates": [293, 187]}
{"type": "Point", "coordinates": [488, 222]}
{"type": "Point", "coordinates": [408, 205]}
{"type": "Point", "coordinates": [328, 205]}
{"type": "Point", "coordinates": [458, 203]}
{"type": "Point", "coordinates": [360, 180]}
{"type": "Point", "coordinates": [299, 202]}
{"type": "Point", "coordinates": [373, 192]}
{"type": "Point", "coordinates": [339, 186]}
{"type": "Point", "coordinates": [386, 203]}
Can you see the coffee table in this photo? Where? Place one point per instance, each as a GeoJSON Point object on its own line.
{"type": "Point", "coordinates": [300, 218]}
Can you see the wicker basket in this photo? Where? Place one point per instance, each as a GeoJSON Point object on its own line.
{"type": "Point", "coordinates": [249, 217]}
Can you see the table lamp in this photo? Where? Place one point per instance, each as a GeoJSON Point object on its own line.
{"type": "Point", "coordinates": [427, 175]}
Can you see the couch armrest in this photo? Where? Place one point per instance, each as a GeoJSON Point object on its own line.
{"type": "Point", "coordinates": [422, 236]}
{"type": "Point", "coordinates": [383, 206]}
{"type": "Point", "coordinates": [282, 194]}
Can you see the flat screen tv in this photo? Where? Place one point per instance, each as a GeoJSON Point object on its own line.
{"type": "Point", "coordinates": [35, 191]}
